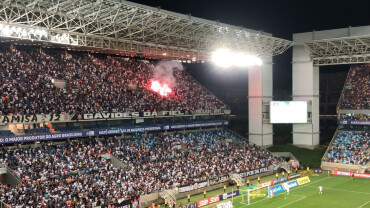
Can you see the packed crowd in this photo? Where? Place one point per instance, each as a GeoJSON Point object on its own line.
{"type": "Point", "coordinates": [354, 117]}
{"type": "Point", "coordinates": [356, 92]}
{"type": "Point", "coordinates": [350, 148]}
{"type": "Point", "coordinates": [58, 175]}
{"type": "Point", "coordinates": [93, 83]}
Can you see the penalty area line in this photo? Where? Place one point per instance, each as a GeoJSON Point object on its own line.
{"type": "Point", "coordinates": [293, 201]}
{"type": "Point", "coordinates": [363, 205]}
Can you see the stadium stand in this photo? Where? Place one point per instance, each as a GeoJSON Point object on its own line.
{"type": "Point", "coordinates": [99, 126]}
{"type": "Point", "coordinates": [94, 83]}
{"type": "Point", "coordinates": [54, 175]}
{"type": "Point", "coordinates": [350, 145]}
{"type": "Point", "coordinates": [350, 148]}
{"type": "Point", "coordinates": [354, 117]}
{"type": "Point", "coordinates": [356, 92]}
{"type": "Point", "coordinates": [37, 131]}
{"type": "Point", "coordinates": [6, 133]}
{"type": "Point", "coordinates": [69, 128]}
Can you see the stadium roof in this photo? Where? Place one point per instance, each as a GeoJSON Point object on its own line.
{"type": "Point", "coordinates": [346, 50]}
{"type": "Point", "coordinates": [119, 25]}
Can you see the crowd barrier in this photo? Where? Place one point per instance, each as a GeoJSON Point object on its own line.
{"type": "Point", "coordinates": [105, 132]}
{"type": "Point", "coordinates": [345, 173]}
{"type": "Point", "coordinates": [344, 167]}
{"type": "Point", "coordinates": [146, 200]}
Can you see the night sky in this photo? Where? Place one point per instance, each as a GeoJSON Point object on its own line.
{"type": "Point", "coordinates": [282, 18]}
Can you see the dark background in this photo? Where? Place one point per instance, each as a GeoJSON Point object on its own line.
{"type": "Point", "coordinates": [282, 18]}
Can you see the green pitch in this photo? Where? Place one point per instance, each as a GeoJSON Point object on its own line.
{"type": "Point", "coordinates": [338, 192]}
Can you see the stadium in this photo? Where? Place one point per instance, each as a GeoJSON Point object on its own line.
{"type": "Point", "coordinates": [125, 104]}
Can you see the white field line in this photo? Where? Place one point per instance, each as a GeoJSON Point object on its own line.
{"type": "Point", "coordinates": [363, 205]}
{"type": "Point", "coordinates": [293, 202]}
{"type": "Point", "coordinates": [283, 192]}
{"type": "Point", "coordinates": [358, 192]}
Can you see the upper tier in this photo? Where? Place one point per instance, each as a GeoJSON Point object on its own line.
{"type": "Point", "coordinates": [356, 92]}
{"type": "Point", "coordinates": [93, 83]}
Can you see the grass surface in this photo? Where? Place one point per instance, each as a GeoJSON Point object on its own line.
{"type": "Point", "coordinates": [338, 192]}
{"type": "Point", "coordinates": [306, 157]}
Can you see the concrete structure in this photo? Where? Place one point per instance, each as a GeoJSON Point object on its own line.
{"type": "Point", "coordinates": [127, 28]}
{"type": "Point", "coordinates": [314, 49]}
{"type": "Point", "coordinates": [260, 94]}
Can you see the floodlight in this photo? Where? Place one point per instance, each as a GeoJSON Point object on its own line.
{"type": "Point", "coordinates": [6, 30]}
{"type": "Point", "coordinates": [221, 57]}
{"type": "Point", "coordinates": [226, 58]}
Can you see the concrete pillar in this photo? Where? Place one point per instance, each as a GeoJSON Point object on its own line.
{"type": "Point", "coordinates": [260, 90]}
{"type": "Point", "coordinates": [305, 88]}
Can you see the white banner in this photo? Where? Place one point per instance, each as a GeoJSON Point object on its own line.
{"type": "Point", "coordinates": [29, 119]}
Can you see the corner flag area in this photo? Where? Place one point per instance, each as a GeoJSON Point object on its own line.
{"type": "Point", "coordinates": [337, 192]}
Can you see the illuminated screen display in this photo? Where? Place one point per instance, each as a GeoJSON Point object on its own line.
{"type": "Point", "coordinates": [288, 111]}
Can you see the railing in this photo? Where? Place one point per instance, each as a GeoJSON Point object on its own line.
{"type": "Point", "coordinates": [237, 135]}
{"type": "Point", "coordinates": [171, 196]}
{"type": "Point", "coordinates": [15, 176]}
{"type": "Point", "coordinates": [236, 177]}
{"type": "Point", "coordinates": [4, 205]}
{"type": "Point", "coordinates": [332, 140]}
{"type": "Point", "coordinates": [117, 162]}
{"type": "Point", "coordinates": [166, 194]}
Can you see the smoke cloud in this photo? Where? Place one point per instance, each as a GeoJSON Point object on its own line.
{"type": "Point", "coordinates": [163, 72]}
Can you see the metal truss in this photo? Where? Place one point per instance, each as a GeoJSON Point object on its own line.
{"type": "Point", "coordinates": [347, 50]}
{"type": "Point", "coordinates": [118, 25]}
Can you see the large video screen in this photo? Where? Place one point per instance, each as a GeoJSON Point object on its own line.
{"type": "Point", "coordinates": [288, 111]}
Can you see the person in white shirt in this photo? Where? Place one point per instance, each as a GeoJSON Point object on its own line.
{"type": "Point", "coordinates": [287, 190]}
{"type": "Point", "coordinates": [271, 193]}
{"type": "Point", "coordinates": [320, 189]}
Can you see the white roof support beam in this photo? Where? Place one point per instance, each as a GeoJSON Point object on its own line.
{"type": "Point", "coordinates": [340, 50]}
{"type": "Point", "coordinates": [129, 22]}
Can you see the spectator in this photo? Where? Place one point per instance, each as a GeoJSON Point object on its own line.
{"type": "Point", "coordinates": [349, 148]}
{"type": "Point", "coordinates": [76, 173]}
{"type": "Point", "coordinates": [356, 92]}
{"type": "Point", "coordinates": [94, 83]}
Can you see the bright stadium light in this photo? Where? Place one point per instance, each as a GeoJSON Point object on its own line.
{"type": "Point", "coordinates": [226, 58]}
{"type": "Point", "coordinates": [6, 31]}
{"type": "Point", "coordinates": [18, 32]}
{"type": "Point", "coordinates": [222, 57]}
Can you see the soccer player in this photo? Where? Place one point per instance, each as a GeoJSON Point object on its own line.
{"type": "Point", "coordinates": [320, 189]}
{"type": "Point", "coordinates": [353, 176]}
{"type": "Point", "coordinates": [287, 190]}
{"type": "Point", "coordinates": [205, 193]}
{"type": "Point", "coordinates": [271, 193]}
